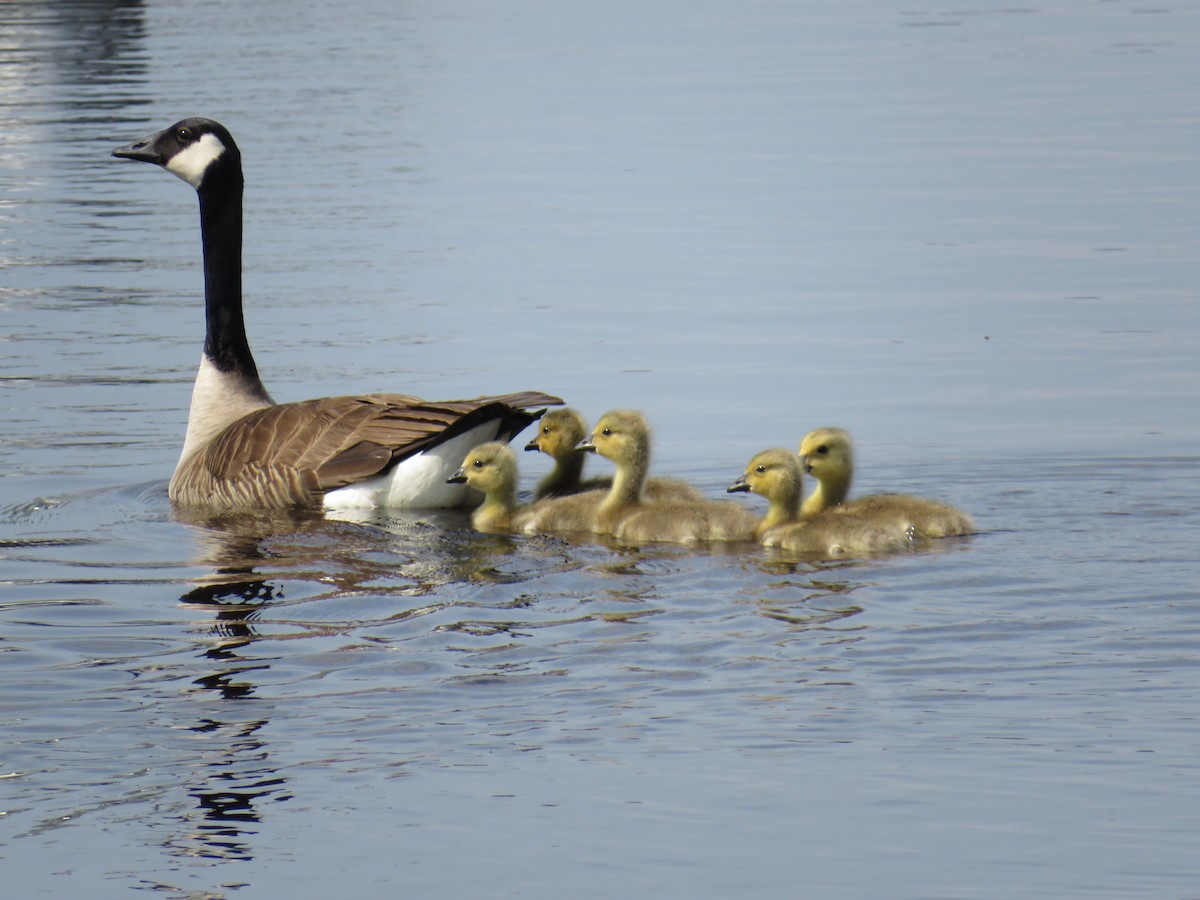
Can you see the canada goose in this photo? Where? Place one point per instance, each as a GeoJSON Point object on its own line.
{"type": "Point", "coordinates": [242, 450]}
{"type": "Point", "coordinates": [828, 455]}
{"type": "Point", "coordinates": [492, 469]}
{"type": "Point", "coordinates": [559, 434]}
{"type": "Point", "coordinates": [624, 437]}
{"type": "Point", "coordinates": [776, 475]}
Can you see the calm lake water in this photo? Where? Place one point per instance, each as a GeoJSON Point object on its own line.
{"type": "Point", "coordinates": [966, 232]}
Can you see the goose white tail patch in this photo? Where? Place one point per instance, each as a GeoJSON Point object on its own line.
{"type": "Point", "coordinates": [193, 161]}
{"type": "Point", "coordinates": [420, 481]}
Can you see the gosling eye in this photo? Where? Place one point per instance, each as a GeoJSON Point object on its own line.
{"type": "Point", "coordinates": [760, 469]}
{"type": "Point", "coordinates": [607, 432]}
{"type": "Point", "coordinates": [478, 464]}
{"type": "Point", "coordinates": [545, 429]}
{"type": "Point", "coordinates": [822, 450]}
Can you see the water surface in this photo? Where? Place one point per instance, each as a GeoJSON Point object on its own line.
{"type": "Point", "coordinates": [965, 232]}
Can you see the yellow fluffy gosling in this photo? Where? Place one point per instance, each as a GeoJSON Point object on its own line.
{"type": "Point", "coordinates": [828, 455]}
{"type": "Point", "coordinates": [623, 437]}
{"type": "Point", "coordinates": [492, 469]}
{"type": "Point", "coordinates": [776, 475]}
{"type": "Point", "coordinates": [559, 434]}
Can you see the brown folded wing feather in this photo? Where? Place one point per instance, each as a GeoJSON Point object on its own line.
{"type": "Point", "coordinates": [293, 453]}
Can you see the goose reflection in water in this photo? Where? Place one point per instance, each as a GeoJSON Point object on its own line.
{"type": "Point", "coordinates": [253, 561]}
{"type": "Point", "coordinates": [236, 773]}
{"type": "Point", "coordinates": [398, 553]}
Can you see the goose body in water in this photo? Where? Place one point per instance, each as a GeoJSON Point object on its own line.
{"type": "Point", "coordinates": [242, 450]}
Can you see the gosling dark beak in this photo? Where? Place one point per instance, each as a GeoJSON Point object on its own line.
{"type": "Point", "coordinates": [533, 445]}
{"type": "Point", "coordinates": [587, 446]}
{"type": "Point", "coordinates": [740, 485]}
{"type": "Point", "coordinates": [142, 150]}
{"type": "Point", "coordinates": [459, 477]}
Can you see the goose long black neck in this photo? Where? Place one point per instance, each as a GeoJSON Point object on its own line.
{"type": "Point", "coordinates": [225, 342]}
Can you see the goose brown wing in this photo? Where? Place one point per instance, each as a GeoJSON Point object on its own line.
{"type": "Point", "coordinates": [295, 452]}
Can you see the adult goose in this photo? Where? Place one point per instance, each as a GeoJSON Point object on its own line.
{"type": "Point", "coordinates": [828, 455]}
{"type": "Point", "coordinates": [243, 450]}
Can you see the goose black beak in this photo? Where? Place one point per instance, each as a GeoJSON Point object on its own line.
{"type": "Point", "coordinates": [459, 477]}
{"type": "Point", "coordinates": [142, 150]}
{"type": "Point", "coordinates": [740, 485]}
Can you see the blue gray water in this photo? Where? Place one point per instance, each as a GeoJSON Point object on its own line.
{"type": "Point", "coordinates": [968, 233]}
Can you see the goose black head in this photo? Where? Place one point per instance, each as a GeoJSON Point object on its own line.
{"type": "Point", "coordinates": [193, 149]}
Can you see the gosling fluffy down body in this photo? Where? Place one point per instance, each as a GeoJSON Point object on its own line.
{"type": "Point", "coordinates": [828, 455]}
{"type": "Point", "coordinates": [623, 437]}
{"type": "Point", "coordinates": [492, 469]}
{"type": "Point", "coordinates": [242, 450]}
{"type": "Point", "coordinates": [776, 475]}
{"type": "Point", "coordinates": [559, 434]}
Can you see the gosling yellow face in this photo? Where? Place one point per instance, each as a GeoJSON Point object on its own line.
{"type": "Point", "coordinates": [488, 468]}
{"type": "Point", "coordinates": [769, 473]}
{"type": "Point", "coordinates": [559, 433]}
{"type": "Point", "coordinates": [620, 435]}
{"type": "Point", "coordinates": [827, 452]}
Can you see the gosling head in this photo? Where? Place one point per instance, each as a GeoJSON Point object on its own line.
{"type": "Point", "coordinates": [490, 468]}
{"type": "Point", "coordinates": [827, 452]}
{"type": "Point", "coordinates": [559, 433]}
{"type": "Point", "coordinates": [621, 435]}
{"type": "Point", "coordinates": [771, 473]}
{"type": "Point", "coordinates": [197, 150]}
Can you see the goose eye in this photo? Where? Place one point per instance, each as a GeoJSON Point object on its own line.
{"type": "Point", "coordinates": [183, 135]}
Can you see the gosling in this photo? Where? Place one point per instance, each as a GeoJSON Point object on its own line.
{"type": "Point", "coordinates": [776, 475]}
{"type": "Point", "coordinates": [559, 434]}
{"type": "Point", "coordinates": [491, 468]}
{"type": "Point", "coordinates": [623, 437]}
{"type": "Point", "coordinates": [828, 455]}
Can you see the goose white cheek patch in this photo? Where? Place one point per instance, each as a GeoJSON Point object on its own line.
{"type": "Point", "coordinates": [192, 162]}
